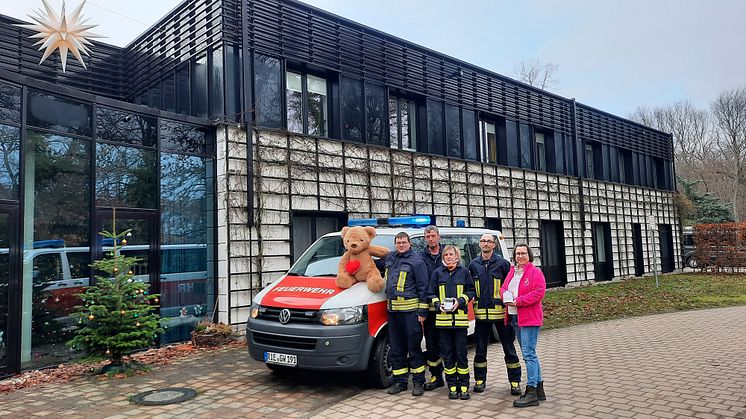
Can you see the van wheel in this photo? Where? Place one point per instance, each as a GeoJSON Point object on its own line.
{"type": "Point", "coordinates": [494, 336]}
{"type": "Point", "coordinates": [379, 369]}
{"type": "Point", "coordinates": [692, 262]}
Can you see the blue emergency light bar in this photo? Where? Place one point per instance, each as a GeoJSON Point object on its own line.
{"type": "Point", "coordinates": [412, 221]}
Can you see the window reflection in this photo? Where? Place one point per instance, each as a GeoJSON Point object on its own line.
{"type": "Point", "coordinates": [126, 177]}
{"type": "Point", "coordinates": [10, 103]}
{"type": "Point", "coordinates": [10, 148]}
{"type": "Point", "coordinates": [61, 115]}
{"type": "Point", "coordinates": [268, 91]}
{"type": "Point", "coordinates": [117, 126]}
{"type": "Point", "coordinates": [402, 122]}
{"type": "Point", "coordinates": [182, 138]}
{"type": "Point", "coordinates": [315, 106]}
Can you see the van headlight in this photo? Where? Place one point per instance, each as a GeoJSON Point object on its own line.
{"type": "Point", "coordinates": [346, 315]}
{"type": "Point", "coordinates": [254, 310]}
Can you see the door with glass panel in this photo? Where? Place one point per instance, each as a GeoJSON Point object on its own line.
{"type": "Point", "coordinates": [9, 251]}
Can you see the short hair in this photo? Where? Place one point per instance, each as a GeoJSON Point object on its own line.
{"type": "Point", "coordinates": [432, 228]}
{"type": "Point", "coordinates": [455, 250]}
{"type": "Point", "coordinates": [528, 249]}
{"type": "Point", "coordinates": [402, 234]}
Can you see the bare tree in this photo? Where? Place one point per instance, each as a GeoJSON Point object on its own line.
{"type": "Point", "coordinates": [536, 73]}
{"type": "Point", "coordinates": [729, 111]}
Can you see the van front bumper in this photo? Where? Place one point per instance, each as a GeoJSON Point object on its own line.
{"type": "Point", "coordinates": [318, 347]}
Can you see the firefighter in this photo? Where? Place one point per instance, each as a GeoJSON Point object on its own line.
{"type": "Point", "coordinates": [453, 281]}
{"type": "Point", "coordinates": [489, 270]}
{"type": "Point", "coordinates": [432, 256]}
{"type": "Point", "coordinates": [406, 300]}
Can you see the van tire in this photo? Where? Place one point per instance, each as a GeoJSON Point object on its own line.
{"type": "Point", "coordinates": [379, 373]}
{"type": "Point", "coordinates": [692, 262]}
{"type": "Point", "coordinates": [494, 336]}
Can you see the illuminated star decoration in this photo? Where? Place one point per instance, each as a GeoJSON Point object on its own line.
{"type": "Point", "coordinates": [66, 34]}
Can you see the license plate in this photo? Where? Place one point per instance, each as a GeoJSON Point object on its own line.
{"type": "Point", "coordinates": [280, 359]}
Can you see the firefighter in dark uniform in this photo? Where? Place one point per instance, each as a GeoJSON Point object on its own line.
{"type": "Point", "coordinates": [453, 281]}
{"type": "Point", "coordinates": [407, 304]}
{"type": "Point", "coordinates": [489, 270]}
{"type": "Point", "coordinates": [432, 256]}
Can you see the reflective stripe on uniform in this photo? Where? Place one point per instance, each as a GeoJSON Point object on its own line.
{"type": "Point", "coordinates": [463, 371]}
{"type": "Point", "coordinates": [476, 287]}
{"type": "Point", "coordinates": [450, 371]}
{"type": "Point", "coordinates": [480, 365]}
{"type": "Point", "coordinates": [401, 371]}
{"type": "Point", "coordinates": [417, 370]}
{"type": "Point", "coordinates": [402, 281]}
{"type": "Point", "coordinates": [404, 304]}
{"type": "Point", "coordinates": [435, 363]}
{"type": "Point", "coordinates": [423, 306]}
{"type": "Point", "coordinates": [496, 288]}
{"type": "Point", "coordinates": [513, 365]}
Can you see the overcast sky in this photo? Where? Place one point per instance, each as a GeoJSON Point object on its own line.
{"type": "Point", "coordinates": [612, 54]}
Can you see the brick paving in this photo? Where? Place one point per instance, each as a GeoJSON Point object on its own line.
{"type": "Point", "coordinates": [685, 364]}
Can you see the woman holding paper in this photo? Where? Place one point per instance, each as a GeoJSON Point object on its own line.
{"type": "Point", "coordinates": [522, 292]}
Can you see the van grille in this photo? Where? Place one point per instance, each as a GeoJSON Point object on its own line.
{"type": "Point", "coordinates": [296, 315]}
{"type": "Point", "coordinates": [280, 341]}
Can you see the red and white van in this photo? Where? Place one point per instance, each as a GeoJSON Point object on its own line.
{"type": "Point", "coordinates": [304, 321]}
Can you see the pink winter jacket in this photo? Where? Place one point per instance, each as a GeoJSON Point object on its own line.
{"type": "Point", "coordinates": [531, 291]}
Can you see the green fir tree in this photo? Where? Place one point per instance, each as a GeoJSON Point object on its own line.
{"type": "Point", "coordinates": [118, 312]}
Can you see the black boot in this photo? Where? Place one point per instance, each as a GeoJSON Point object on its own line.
{"type": "Point", "coordinates": [418, 390]}
{"type": "Point", "coordinates": [479, 386]}
{"type": "Point", "coordinates": [453, 393]}
{"type": "Point", "coordinates": [397, 388]}
{"type": "Point", "coordinates": [464, 393]}
{"type": "Point", "coordinates": [529, 398]}
{"type": "Point", "coordinates": [540, 391]}
{"type": "Point", "coordinates": [435, 382]}
{"type": "Point", "coordinates": [515, 388]}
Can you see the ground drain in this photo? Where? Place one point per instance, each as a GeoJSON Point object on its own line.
{"type": "Point", "coordinates": [164, 396]}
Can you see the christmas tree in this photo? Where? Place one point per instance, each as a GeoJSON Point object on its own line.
{"type": "Point", "coordinates": [118, 312]}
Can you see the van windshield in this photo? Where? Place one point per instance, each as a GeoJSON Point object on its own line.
{"type": "Point", "coordinates": [322, 258]}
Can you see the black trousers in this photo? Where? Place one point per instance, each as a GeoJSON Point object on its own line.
{"type": "Point", "coordinates": [405, 338]}
{"type": "Point", "coordinates": [432, 354]}
{"type": "Point", "coordinates": [507, 339]}
{"type": "Point", "coordinates": [455, 361]}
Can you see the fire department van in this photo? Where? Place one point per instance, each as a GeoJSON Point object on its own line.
{"type": "Point", "coordinates": [304, 321]}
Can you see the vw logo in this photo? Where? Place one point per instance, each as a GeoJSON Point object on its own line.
{"type": "Point", "coordinates": [284, 316]}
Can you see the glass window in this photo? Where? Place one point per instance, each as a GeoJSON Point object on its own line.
{"type": "Point", "coordinates": [471, 149]}
{"type": "Point", "coordinates": [233, 84]}
{"type": "Point", "coordinates": [57, 114]}
{"type": "Point", "coordinates": [309, 227]}
{"type": "Point", "coordinates": [6, 228]}
{"type": "Point", "coordinates": [352, 109]}
{"type": "Point", "coordinates": [124, 127]}
{"type": "Point", "coordinates": [590, 171]}
{"type": "Point", "coordinates": [402, 123]}
{"type": "Point", "coordinates": [10, 103]}
{"type": "Point", "coordinates": [126, 177]}
{"type": "Point", "coordinates": [559, 152]}
{"type": "Point", "coordinates": [541, 152]}
{"type": "Point", "coordinates": [183, 138]}
{"type": "Point", "coordinates": [526, 147]}
{"type": "Point", "coordinates": [10, 152]}
{"type": "Point", "coordinates": [187, 282]}
{"type": "Point", "coordinates": [168, 87]}
{"type": "Point", "coordinates": [294, 98]}
{"type": "Point", "coordinates": [217, 108]}
{"type": "Point", "coordinates": [511, 143]}
{"type": "Point", "coordinates": [605, 173]}
{"type": "Point", "coordinates": [453, 131]}
{"type": "Point", "coordinates": [307, 104]}
{"type": "Point", "coordinates": [489, 141]}
{"type": "Point", "coordinates": [58, 191]}
{"type": "Point", "coordinates": [375, 105]}
{"type": "Point", "coordinates": [318, 106]}
{"type": "Point", "coordinates": [268, 91]}
{"type": "Point", "coordinates": [614, 164]}
{"type": "Point", "coordinates": [183, 101]}
{"type": "Point", "coordinates": [199, 87]}
{"type": "Point", "coordinates": [435, 130]}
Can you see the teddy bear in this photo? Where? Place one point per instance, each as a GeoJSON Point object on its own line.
{"type": "Point", "coordinates": [357, 263]}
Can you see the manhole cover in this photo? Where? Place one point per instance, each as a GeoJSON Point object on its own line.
{"type": "Point", "coordinates": [164, 396]}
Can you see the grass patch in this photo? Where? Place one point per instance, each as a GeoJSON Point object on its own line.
{"type": "Point", "coordinates": [639, 296]}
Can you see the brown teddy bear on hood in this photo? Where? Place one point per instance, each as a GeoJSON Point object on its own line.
{"type": "Point", "coordinates": [357, 263]}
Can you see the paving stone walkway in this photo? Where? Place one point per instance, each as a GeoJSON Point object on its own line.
{"type": "Point", "coordinates": [686, 364]}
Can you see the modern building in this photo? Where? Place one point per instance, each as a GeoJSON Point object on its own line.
{"type": "Point", "coordinates": [233, 133]}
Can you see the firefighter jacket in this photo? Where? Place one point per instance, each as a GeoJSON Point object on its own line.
{"type": "Point", "coordinates": [451, 284]}
{"type": "Point", "coordinates": [432, 262]}
{"type": "Point", "coordinates": [406, 282]}
{"type": "Point", "coordinates": [488, 278]}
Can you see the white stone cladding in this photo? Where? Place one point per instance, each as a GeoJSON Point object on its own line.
{"type": "Point", "coordinates": [294, 172]}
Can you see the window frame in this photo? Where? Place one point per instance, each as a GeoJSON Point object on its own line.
{"type": "Point", "coordinates": [304, 75]}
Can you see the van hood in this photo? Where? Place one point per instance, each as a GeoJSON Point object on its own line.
{"type": "Point", "coordinates": [300, 292]}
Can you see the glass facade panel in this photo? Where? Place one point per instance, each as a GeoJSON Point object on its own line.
{"type": "Point", "coordinates": [183, 102]}
{"type": "Point", "coordinates": [199, 87]}
{"type": "Point", "coordinates": [435, 134]}
{"type": "Point", "coordinates": [10, 153]}
{"type": "Point", "coordinates": [183, 138]}
{"type": "Point", "coordinates": [511, 142]}
{"type": "Point", "coordinates": [471, 149]}
{"type": "Point", "coordinates": [352, 109]}
{"type": "Point", "coordinates": [233, 81]}
{"type": "Point", "coordinates": [268, 91]}
{"type": "Point", "coordinates": [318, 112]}
{"type": "Point", "coordinates": [453, 131]}
{"type": "Point", "coordinates": [559, 152]}
{"type": "Point", "coordinates": [126, 177]}
{"type": "Point", "coordinates": [526, 149]}
{"type": "Point", "coordinates": [375, 105]}
{"type": "Point", "coordinates": [61, 115]}
{"type": "Point", "coordinates": [294, 98]}
{"type": "Point", "coordinates": [124, 127]}
{"type": "Point", "coordinates": [10, 103]}
{"type": "Point", "coordinates": [57, 185]}
{"type": "Point", "coordinates": [489, 142]}
{"type": "Point", "coordinates": [217, 88]}
{"type": "Point", "coordinates": [541, 152]}
{"type": "Point", "coordinates": [5, 229]}
{"type": "Point", "coordinates": [187, 288]}
{"type": "Point", "coordinates": [168, 88]}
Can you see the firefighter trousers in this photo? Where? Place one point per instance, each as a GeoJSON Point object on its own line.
{"type": "Point", "coordinates": [405, 338]}
{"type": "Point", "coordinates": [507, 339]}
{"type": "Point", "coordinates": [455, 360]}
{"type": "Point", "coordinates": [432, 354]}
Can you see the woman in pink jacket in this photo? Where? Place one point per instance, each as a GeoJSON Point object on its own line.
{"type": "Point", "coordinates": [522, 292]}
